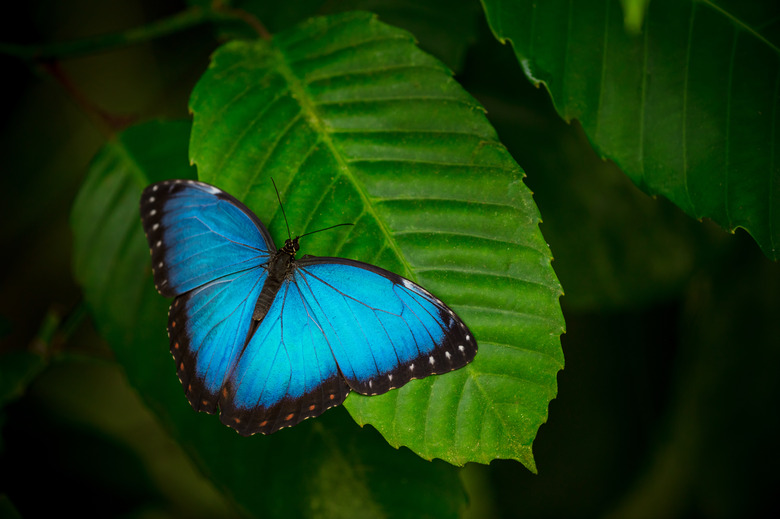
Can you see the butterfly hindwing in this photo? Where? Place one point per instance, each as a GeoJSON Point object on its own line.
{"type": "Point", "coordinates": [198, 233]}
{"type": "Point", "coordinates": [287, 372]}
{"type": "Point", "coordinates": [208, 328]}
{"type": "Point", "coordinates": [383, 329]}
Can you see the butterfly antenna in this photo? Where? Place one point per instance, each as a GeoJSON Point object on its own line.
{"type": "Point", "coordinates": [289, 234]}
{"type": "Point", "coordinates": [325, 229]}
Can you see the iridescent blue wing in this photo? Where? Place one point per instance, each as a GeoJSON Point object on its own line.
{"type": "Point", "coordinates": [198, 233]}
{"type": "Point", "coordinates": [383, 329]}
{"type": "Point", "coordinates": [211, 253]}
{"type": "Point", "coordinates": [287, 372]}
{"type": "Point", "coordinates": [338, 324]}
{"type": "Point", "coordinates": [208, 329]}
{"type": "Point", "coordinates": [334, 324]}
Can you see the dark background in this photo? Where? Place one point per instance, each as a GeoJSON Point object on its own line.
{"type": "Point", "coordinates": [667, 407]}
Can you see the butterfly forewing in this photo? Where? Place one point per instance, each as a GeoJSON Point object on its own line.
{"type": "Point", "coordinates": [383, 329]}
{"type": "Point", "coordinates": [198, 233]}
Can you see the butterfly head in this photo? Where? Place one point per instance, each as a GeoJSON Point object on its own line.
{"type": "Point", "coordinates": [291, 246]}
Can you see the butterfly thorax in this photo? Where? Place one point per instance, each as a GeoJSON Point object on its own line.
{"type": "Point", "coordinates": [279, 268]}
{"type": "Point", "coordinates": [291, 247]}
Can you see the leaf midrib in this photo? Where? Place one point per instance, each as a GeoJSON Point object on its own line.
{"type": "Point", "coordinates": [299, 93]}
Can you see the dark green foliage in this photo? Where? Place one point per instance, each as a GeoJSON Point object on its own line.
{"type": "Point", "coordinates": [668, 403]}
{"type": "Point", "coordinates": [688, 108]}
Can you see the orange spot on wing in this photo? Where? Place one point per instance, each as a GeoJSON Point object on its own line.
{"type": "Point", "coordinates": [289, 417]}
{"type": "Point", "coordinates": [311, 407]}
{"type": "Point", "coordinates": [263, 423]}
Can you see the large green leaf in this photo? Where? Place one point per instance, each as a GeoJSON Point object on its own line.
{"type": "Point", "coordinates": [688, 108]}
{"type": "Point", "coordinates": [326, 467]}
{"type": "Point", "coordinates": [356, 124]}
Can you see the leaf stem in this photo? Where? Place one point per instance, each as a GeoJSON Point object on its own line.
{"type": "Point", "coordinates": [106, 122]}
{"type": "Point", "coordinates": [225, 12]}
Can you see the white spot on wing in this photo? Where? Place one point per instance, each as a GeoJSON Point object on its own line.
{"type": "Point", "coordinates": [210, 189]}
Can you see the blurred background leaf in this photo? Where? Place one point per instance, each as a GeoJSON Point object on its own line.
{"type": "Point", "coordinates": [687, 107]}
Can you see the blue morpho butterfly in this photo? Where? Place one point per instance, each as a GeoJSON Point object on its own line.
{"type": "Point", "coordinates": [272, 340]}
